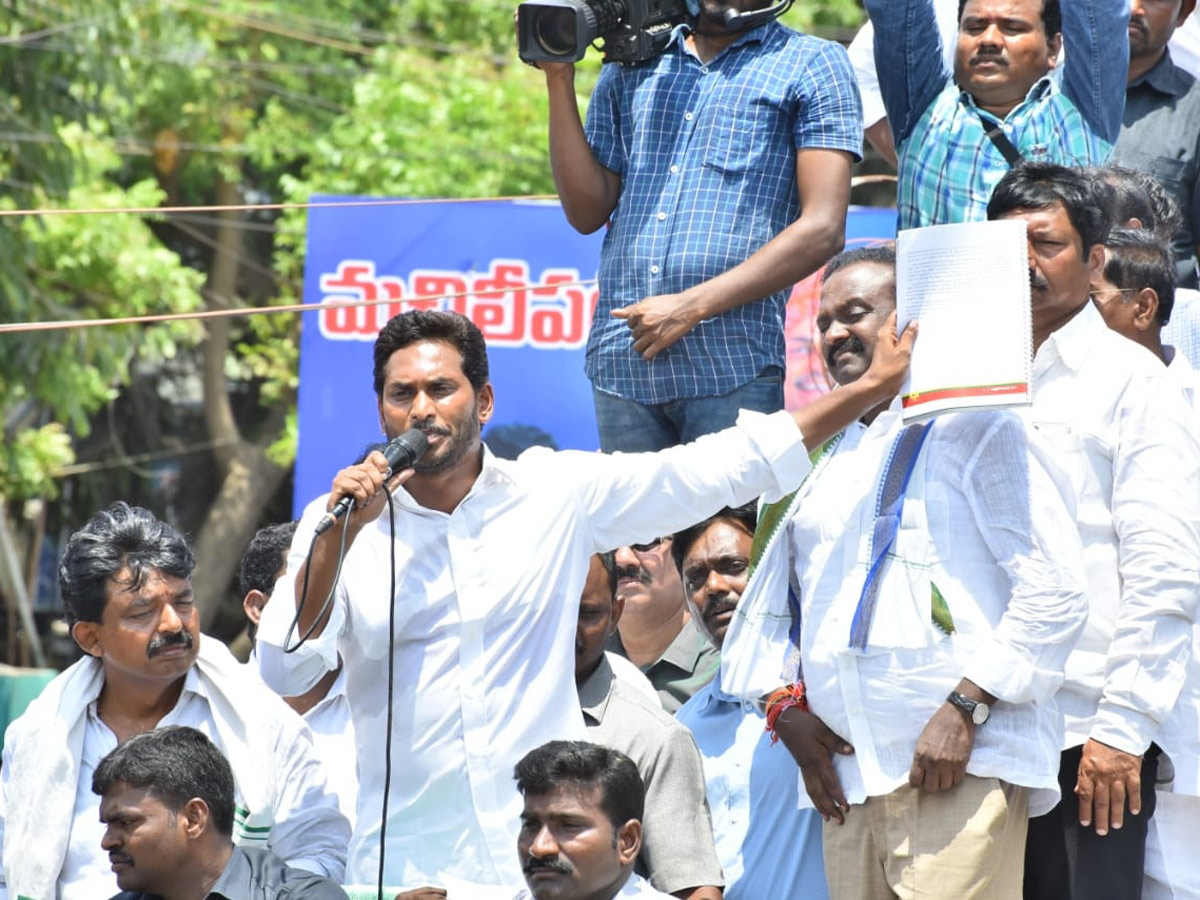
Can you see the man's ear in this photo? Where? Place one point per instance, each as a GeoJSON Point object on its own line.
{"type": "Point", "coordinates": [1055, 45]}
{"type": "Point", "coordinates": [252, 605]}
{"type": "Point", "coordinates": [87, 636]}
{"type": "Point", "coordinates": [629, 841]}
{"type": "Point", "coordinates": [1095, 263]}
{"type": "Point", "coordinates": [194, 818]}
{"type": "Point", "coordinates": [486, 401]}
{"type": "Point", "coordinates": [1186, 8]}
{"type": "Point", "coordinates": [1145, 314]}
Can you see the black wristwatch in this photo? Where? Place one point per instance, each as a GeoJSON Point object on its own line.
{"type": "Point", "coordinates": [976, 710]}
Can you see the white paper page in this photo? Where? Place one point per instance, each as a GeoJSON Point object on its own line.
{"type": "Point", "coordinates": [968, 287]}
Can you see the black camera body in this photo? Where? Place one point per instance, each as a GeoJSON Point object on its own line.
{"type": "Point", "coordinates": [632, 31]}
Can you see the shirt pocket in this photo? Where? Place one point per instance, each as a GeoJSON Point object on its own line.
{"type": "Point", "coordinates": [733, 140]}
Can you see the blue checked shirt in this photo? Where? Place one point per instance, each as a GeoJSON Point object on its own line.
{"type": "Point", "coordinates": [948, 166]}
{"type": "Point", "coordinates": [707, 158]}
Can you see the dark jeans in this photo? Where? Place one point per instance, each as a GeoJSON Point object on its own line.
{"type": "Point", "coordinates": [630, 427]}
{"type": "Point", "coordinates": [1065, 861]}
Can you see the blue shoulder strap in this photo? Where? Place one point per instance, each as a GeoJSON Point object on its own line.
{"type": "Point", "coordinates": [888, 506]}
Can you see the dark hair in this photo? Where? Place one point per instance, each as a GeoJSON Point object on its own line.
{"type": "Point", "coordinates": [746, 514]}
{"type": "Point", "coordinates": [264, 557]}
{"type": "Point", "coordinates": [1051, 16]}
{"type": "Point", "coordinates": [116, 538]}
{"type": "Point", "coordinates": [175, 763]}
{"type": "Point", "coordinates": [433, 325]}
{"type": "Point", "coordinates": [1037, 185]}
{"type": "Point", "coordinates": [622, 793]}
{"type": "Point", "coordinates": [883, 254]}
{"type": "Point", "coordinates": [262, 560]}
{"type": "Point", "coordinates": [1138, 195]}
{"type": "Point", "coordinates": [1138, 259]}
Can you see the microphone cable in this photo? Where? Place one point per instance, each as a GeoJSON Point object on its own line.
{"type": "Point", "coordinates": [327, 605]}
{"type": "Point", "coordinates": [391, 683]}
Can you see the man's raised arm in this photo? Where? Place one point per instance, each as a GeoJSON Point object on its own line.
{"type": "Point", "coordinates": [1096, 62]}
{"type": "Point", "coordinates": [908, 60]}
{"type": "Point", "coordinates": [588, 189]}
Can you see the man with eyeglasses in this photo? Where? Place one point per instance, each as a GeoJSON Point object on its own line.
{"type": "Point", "coordinates": [656, 632]}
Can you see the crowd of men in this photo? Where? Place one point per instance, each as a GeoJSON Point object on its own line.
{"type": "Point", "coordinates": [745, 652]}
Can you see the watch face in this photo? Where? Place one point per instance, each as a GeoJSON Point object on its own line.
{"type": "Point", "coordinates": [980, 713]}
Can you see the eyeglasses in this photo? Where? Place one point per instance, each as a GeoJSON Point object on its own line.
{"type": "Point", "coordinates": [648, 546]}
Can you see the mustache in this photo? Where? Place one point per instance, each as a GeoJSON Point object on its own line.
{"type": "Point", "coordinates": [159, 643]}
{"type": "Point", "coordinates": [636, 572]}
{"type": "Point", "coordinates": [988, 56]}
{"type": "Point", "coordinates": [720, 607]}
{"type": "Point", "coordinates": [851, 343]}
{"type": "Point", "coordinates": [532, 866]}
{"type": "Point", "coordinates": [1138, 23]}
{"type": "Point", "coordinates": [428, 428]}
{"type": "Point", "coordinates": [1037, 282]}
{"type": "Point", "coordinates": [120, 856]}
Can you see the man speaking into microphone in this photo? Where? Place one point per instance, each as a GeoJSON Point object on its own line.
{"type": "Point", "coordinates": [490, 560]}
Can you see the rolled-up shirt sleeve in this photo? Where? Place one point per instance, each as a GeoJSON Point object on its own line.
{"type": "Point", "coordinates": [290, 674]}
{"type": "Point", "coordinates": [1027, 526]}
{"type": "Point", "coordinates": [1156, 515]}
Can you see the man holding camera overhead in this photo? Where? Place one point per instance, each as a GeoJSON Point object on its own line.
{"type": "Point", "coordinates": [722, 167]}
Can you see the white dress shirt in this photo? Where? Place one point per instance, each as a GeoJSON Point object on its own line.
{"type": "Point", "coordinates": [1118, 431]}
{"type": "Point", "coordinates": [333, 739]}
{"type": "Point", "coordinates": [486, 604]}
{"type": "Point", "coordinates": [86, 873]}
{"type": "Point", "coordinates": [982, 523]}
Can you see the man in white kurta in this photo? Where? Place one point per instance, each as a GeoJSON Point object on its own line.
{"type": "Point", "coordinates": [491, 558]}
{"type": "Point", "coordinates": [936, 709]}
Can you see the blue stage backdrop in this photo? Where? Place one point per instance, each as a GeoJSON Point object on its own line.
{"type": "Point", "coordinates": [509, 261]}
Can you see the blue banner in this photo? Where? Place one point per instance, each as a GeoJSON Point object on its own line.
{"type": "Point", "coordinates": [513, 267]}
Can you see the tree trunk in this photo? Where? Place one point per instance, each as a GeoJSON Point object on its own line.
{"type": "Point", "coordinates": [248, 479]}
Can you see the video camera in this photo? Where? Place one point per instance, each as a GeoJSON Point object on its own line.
{"type": "Point", "coordinates": [633, 31]}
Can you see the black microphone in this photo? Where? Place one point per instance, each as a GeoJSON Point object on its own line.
{"type": "Point", "coordinates": [741, 21]}
{"type": "Point", "coordinates": [401, 453]}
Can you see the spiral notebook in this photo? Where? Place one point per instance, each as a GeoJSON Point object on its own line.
{"type": "Point", "coordinates": [967, 285]}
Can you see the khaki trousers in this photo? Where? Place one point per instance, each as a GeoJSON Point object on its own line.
{"type": "Point", "coordinates": [968, 842]}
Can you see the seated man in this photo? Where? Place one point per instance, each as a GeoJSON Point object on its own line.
{"type": "Point", "coordinates": [958, 132]}
{"type": "Point", "coordinates": [581, 827]}
{"type": "Point", "coordinates": [677, 855]}
{"type": "Point", "coordinates": [167, 804]}
{"type": "Point", "coordinates": [324, 707]}
{"type": "Point", "coordinates": [767, 845]}
{"type": "Point", "coordinates": [656, 632]}
{"type": "Point", "coordinates": [941, 588]}
{"type": "Point", "coordinates": [125, 579]}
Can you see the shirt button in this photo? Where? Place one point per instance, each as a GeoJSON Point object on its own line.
{"type": "Point", "coordinates": [674, 170]}
{"type": "Point", "coordinates": [687, 117]}
{"type": "Point", "coordinates": [662, 216]}
{"type": "Point", "coordinates": [654, 270]}
{"type": "Point", "coordinates": [704, 70]}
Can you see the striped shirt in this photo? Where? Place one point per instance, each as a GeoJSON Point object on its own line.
{"type": "Point", "coordinates": [948, 166]}
{"type": "Point", "coordinates": [707, 158]}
